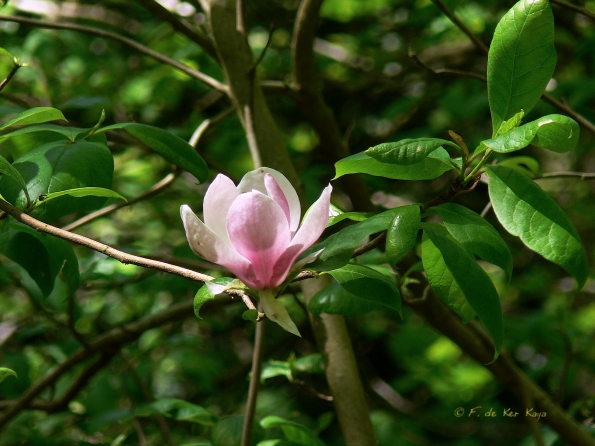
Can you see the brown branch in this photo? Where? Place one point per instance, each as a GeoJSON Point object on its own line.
{"type": "Point", "coordinates": [579, 9]}
{"type": "Point", "coordinates": [181, 26]}
{"type": "Point", "coordinates": [207, 80]}
{"type": "Point", "coordinates": [102, 248]}
{"type": "Point", "coordinates": [14, 70]}
{"type": "Point", "coordinates": [207, 124]}
{"type": "Point", "coordinates": [257, 355]}
{"type": "Point", "coordinates": [581, 175]}
{"type": "Point", "coordinates": [459, 23]}
{"type": "Point", "coordinates": [154, 190]}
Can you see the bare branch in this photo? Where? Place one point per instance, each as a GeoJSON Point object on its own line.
{"type": "Point", "coordinates": [459, 23]}
{"type": "Point", "coordinates": [100, 247]}
{"type": "Point", "coordinates": [207, 80]}
{"type": "Point", "coordinates": [14, 70]}
{"type": "Point", "coordinates": [581, 175]}
{"type": "Point", "coordinates": [154, 190]}
{"type": "Point", "coordinates": [579, 9]}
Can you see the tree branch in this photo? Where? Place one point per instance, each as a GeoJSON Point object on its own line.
{"type": "Point", "coordinates": [123, 257]}
{"type": "Point", "coordinates": [459, 23]}
{"type": "Point", "coordinates": [14, 70]}
{"type": "Point", "coordinates": [257, 355]}
{"type": "Point", "coordinates": [207, 80]}
{"type": "Point", "coordinates": [181, 26]}
{"type": "Point", "coordinates": [581, 175]}
{"type": "Point", "coordinates": [580, 10]}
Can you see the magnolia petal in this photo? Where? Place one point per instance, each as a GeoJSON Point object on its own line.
{"type": "Point", "coordinates": [276, 312]}
{"type": "Point", "coordinates": [313, 226]}
{"type": "Point", "coordinates": [208, 245]}
{"type": "Point", "coordinates": [258, 230]}
{"type": "Point", "coordinates": [255, 180]}
{"type": "Point", "coordinates": [275, 192]}
{"type": "Point", "coordinates": [218, 199]}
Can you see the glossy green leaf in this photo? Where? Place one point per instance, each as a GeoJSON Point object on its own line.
{"type": "Point", "coordinates": [205, 294]}
{"type": "Point", "coordinates": [368, 284]}
{"type": "Point", "coordinates": [353, 216]}
{"type": "Point", "coordinates": [339, 247]}
{"type": "Point", "coordinates": [272, 369]}
{"type": "Point", "coordinates": [43, 257]}
{"type": "Point", "coordinates": [526, 211]}
{"type": "Point", "coordinates": [334, 299]}
{"type": "Point", "coordinates": [228, 432]}
{"type": "Point", "coordinates": [58, 166]}
{"type": "Point", "coordinates": [292, 431]}
{"type": "Point", "coordinates": [476, 235]}
{"type": "Point", "coordinates": [84, 192]}
{"type": "Point", "coordinates": [524, 164]}
{"type": "Point", "coordinates": [169, 146]}
{"type": "Point", "coordinates": [5, 52]}
{"type": "Point", "coordinates": [434, 165]}
{"type": "Point", "coordinates": [553, 132]}
{"type": "Point", "coordinates": [521, 59]}
{"type": "Point", "coordinates": [34, 116]}
{"type": "Point", "coordinates": [5, 373]}
{"type": "Point", "coordinates": [406, 151]}
{"type": "Point", "coordinates": [311, 364]}
{"type": "Point", "coordinates": [7, 169]}
{"type": "Point", "coordinates": [69, 132]}
{"type": "Point", "coordinates": [249, 315]}
{"type": "Point", "coordinates": [453, 271]}
{"type": "Point", "coordinates": [179, 410]}
{"type": "Point", "coordinates": [402, 233]}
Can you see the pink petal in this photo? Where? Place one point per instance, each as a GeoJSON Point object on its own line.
{"type": "Point", "coordinates": [218, 199]}
{"type": "Point", "coordinates": [255, 180]}
{"type": "Point", "coordinates": [313, 226]}
{"type": "Point", "coordinates": [258, 230]}
{"type": "Point", "coordinates": [275, 192]}
{"type": "Point", "coordinates": [209, 245]}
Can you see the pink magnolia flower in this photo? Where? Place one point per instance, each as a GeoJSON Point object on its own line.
{"type": "Point", "coordinates": [254, 229]}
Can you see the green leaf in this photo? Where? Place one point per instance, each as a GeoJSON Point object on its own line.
{"type": "Point", "coordinates": [334, 299]}
{"type": "Point", "coordinates": [59, 166]}
{"type": "Point", "coordinates": [354, 216]}
{"type": "Point", "coordinates": [7, 169]}
{"type": "Point", "coordinates": [476, 235]}
{"type": "Point", "coordinates": [228, 432]}
{"type": "Point", "coordinates": [553, 132]}
{"type": "Point", "coordinates": [34, 116]}
{"type": "Point", "coordinates": [179, 410]}
{"type": "Point", "coordinates": [249, 315]}
{"type": "Point", "coordinates": [293, 432]}
{"type": "Point", "coordinates": [406, 151]}
{"type": "Point", "coordinates": [42, 256]}
{"type": "Point", "coordinates": [402, 233]}
{"type": "Point", "coordinates": [312, 364]}
{"type": "Point", "coordinates": [5, 373]}
{"type": "Point", "coordinates": [204, 294]}
{"type": "Point", "coordinates": [524, 164]}
{"type": "Point", "coordinates": [84, 192]}
{"type": "Point", "coordinates": [526, 211]}
{"type": "Point", "coordinates": [434, 165]}
{"type": "Point", "coordinates": [272, 369]}
{"type": "Point", "coordinates": [339, 247]}
{"type": "Point", "coordinates": [512, 123]}
{"type": "Point", "coordinates": [454, 273]}
{"type": "Point", "coordinates": [172, 148]}
{"type": "Point", "coordinates": [368, 284]}
{"type": "Point", "coordinates": [521, 59]}
{"type": "Point", "coordinates": [5, 52]}
{"type": "Point", "coordinates": [69, 132]}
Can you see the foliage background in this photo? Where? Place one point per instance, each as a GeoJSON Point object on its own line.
{"type": "Point", "coordinates": [415, 377]}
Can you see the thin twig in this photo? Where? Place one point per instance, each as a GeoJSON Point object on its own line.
{"type": "Point", "coordinates": [581, 175]}
{"type": "Point", "coordinates": [453, 18]}
{"type": "Point", "coordinates": [421, 63]}
{"type": "Point", "coordinates": [14, 70]}
{"type": "Point", "coordinates": [257, 356]}
{"type": "Point", "coordinates": [486, 209]}
{"type": "Point", "coordinates": [154, 190]}
{"type": "Point", "coordinates": [101, 247]}
{"type": "Point", "coordinates": [580, 10]}
{"type": "Point", "coordinates": [207, 80]}
{"type": "Point", "coordinates": [312, 390]}
{"type": "Point", "coordinates": [142, 440]}
{"type": "Point", "coordinates": [206, 125]}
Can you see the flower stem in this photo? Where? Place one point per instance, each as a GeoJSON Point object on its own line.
{"type": "Point", "coordinates": [257, 356]}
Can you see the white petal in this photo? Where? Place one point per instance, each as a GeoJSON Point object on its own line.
{"type": "Point", "coordinates": [218, 199]}
{"type": "Point", "coordinates": [276, 312]}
